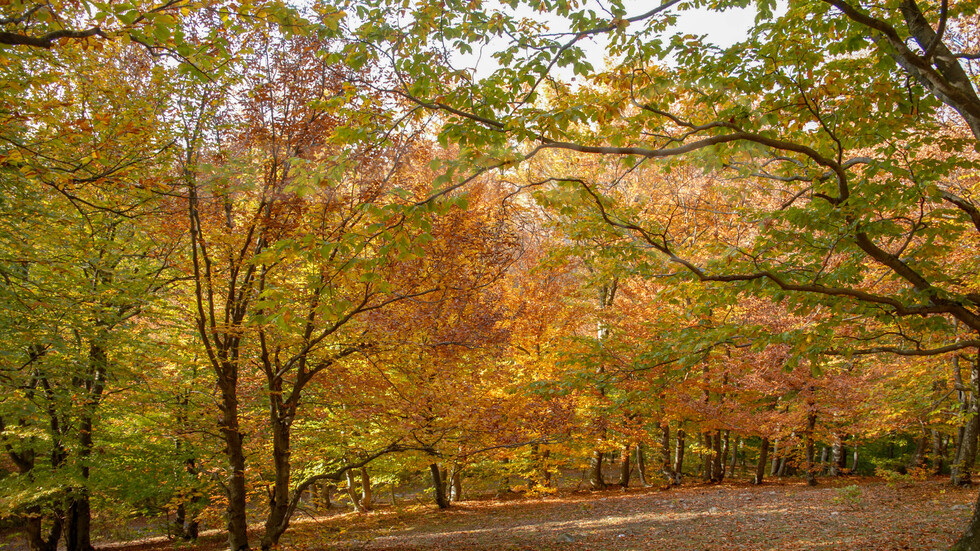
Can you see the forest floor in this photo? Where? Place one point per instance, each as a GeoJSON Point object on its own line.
{"type": "Point", "coordinates": [926, 516]}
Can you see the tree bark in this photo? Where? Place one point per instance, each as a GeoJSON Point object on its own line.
{"type": "Point", "coordinates": [839, 458]}
{"type": "Point", "coordinates": [970, 540]}
{"type": "Point", "coordinates": [774, 468]}
{"type": "Point", "coordinates": [679, 456]}
{"type": "Point", "coordinates": [717, 459]}
{"type": "Point", "coordinates": [811, 466]}
{"type": "Point", "coordinates": [938, 452]}
{"type": "Point", "coordinates": [665, 468]}
{"type": "Point", "coordinates": [596, 481]}
{"type": "Point", "coordinates": [438, 486]}
{"type": "Point", "coordinates": [367, 495]}
{"type": "Point", "coordinates": [455, 484]}
{"type": "Point", "coordinates": [625, 467]}
{"type": "Point", "coordinates": [352, 492]}
{"type": "Point", "coordinates": [961, 472]}
{"type": "Point", "coordinates": [760, 466]}
{"type": "Point", "coordinates": [641, 466]}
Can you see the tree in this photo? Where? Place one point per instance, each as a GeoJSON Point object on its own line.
{"type": "Point", "coordinates": [841, 212]}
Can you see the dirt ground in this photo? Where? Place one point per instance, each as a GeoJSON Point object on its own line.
{"type": "Point", "coordinates": [926, 516]}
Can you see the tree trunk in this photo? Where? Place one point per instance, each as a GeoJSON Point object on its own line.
{"type": "Point", "coordinates": [679, 456]}
{"type": "Point", "coordinates": [325, 490]}
{"type": "Point", "coordinates": [717, 459]}
{"type": "Point", "coordinates": [438, 486]}
{"type": "Point", "coordinates": [624, 467]}
{"type": "Point", "coordinates": [669, 474]}
{"type": "Point", "coordinates": [918, 458]}
{"type": "Point", "coordinates": [938, 452]}
{"type": "Point", "coordinates": [774, 468]}
{"type": "Point", "coordinates": [276, 520]}
{"type": "Point", "coordinates": [352, 493]}
{"type": "Point", "coordinates": [79, 522]}
{"type": "Point", "coordinates": [704, 443]}
{"type": "Point", "coordinates": [367, 495]}
{"type": "Point", "coordinates": [455, 484]}
{"type": "Point", "coordinates": [596, 481]}
{"type": "Point", "coordinates": [839, 458]}
{"type": "Point", "coordinates": [641, 466]}
{"type": "Point", "coordinates": [232, 436]}
{"type": "Point", "coordinates": [970, 540]}
{"type": "Point", "coordinates": [811, 467]}
{"type": "Point", "coordinates": [760, 466]}
{"type": "Point", "coordinates": [962, 470]}
{"type": "Point", "coordinates": [735, 449]}
{"type": "Point", "coordinates": [36, 540]}
{"type": "Point", "coordinates": [854, 465]}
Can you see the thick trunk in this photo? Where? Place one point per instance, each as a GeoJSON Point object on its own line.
{"type": "Point", "coordinates": [961, 471]}
{"type": "Point", "coordinates": [438, 486]}
{"type": "Point", "coordinates": [624, 467]}
{"type": "Point", "coordinates": [37, 540]}
{"type": "Point", "coordinates": [760, 466]}
{"type": "Point", "coordinates": [596, 481]}
{"type": "Point", "coordinates": [352, 492]}
{"type": "Point", "coordinates": [970, 540]}
{"type": "Point", "coordinates": [367, 495]}
{"type": "Point", "coordinates": [679, 456]}
{"type": "Point", "coordinates": [277, 520]}
{"type": "Point", "coordinates": [79, 521]}
{"type": "Point", "coordinates": [234, 451]}
{"type": "Point", "coordinates": [811, 466]}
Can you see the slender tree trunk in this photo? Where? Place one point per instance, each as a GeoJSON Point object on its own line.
{"type": "Point", "coordinates": [641, 466]}
{"type": "Point", "coordinates": [811, 467]}
{"type": "Point", "coordinates": [937, 452]}
{"type": "Point", "coordinates": [624, 466]}
{"type": "Point", "coordinates": [854, 465]}
{"type": "Point", "coordinates": [679, 456]}
{"type": "Point", "coordinates": [839, 458]}
{"type": "Point", "coordinates": [546, 468]}
{"type": "Point", "coordinates": [596, 481]}
{"type": "Point", "coordinates": [760, 466]}
{"type": "Point", "coordinates": [736, 447]}
{"type": "Point", "coordinates": [717, 460]}
{"type": "Point", "coordinates": [775, 458]}
{"type": "Point", "coordinates": [325, 490]}
{"type": "Point", "coordinates": [438, 486]}
{"type": "Point", "coordinates": [669, 474]}
{"type": "Point", "coordinates": [455, 484]}
{"type": "Point", "coordinates": [704, 443]}
{"type": "Point", "coordinates": [918, 458]}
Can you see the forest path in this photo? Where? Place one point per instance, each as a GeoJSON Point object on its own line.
{"type": "Point", "coordinates": [925, 516]}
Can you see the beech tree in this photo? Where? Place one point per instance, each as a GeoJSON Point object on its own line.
{"type": "Point", "coordinates": [864, 214]}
